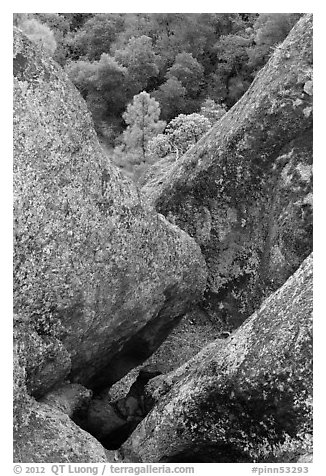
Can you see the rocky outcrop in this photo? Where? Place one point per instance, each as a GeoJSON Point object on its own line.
{"type": "Point", "coordinates": [244, 192]}
{"type": "Point", "coordinates": [45, 434]}
{"type": "Point", "coordinates": [99, 279]}
{"type": "Point", "coordinates": [44, 357]}
{"type": "Point", "coordinates": [68, 398]}
{"type": "Point", "coordinates": [50, 436]}
{"type": "Point", "coordinates": [247, 400]}
{"type": "Point", "coordinates": [112, 421]}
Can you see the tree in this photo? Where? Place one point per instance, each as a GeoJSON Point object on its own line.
{"type": "Point", "coordinates": [160, 146]}
{"type": "Point", "coordinates": [19, 18]}
{"type": "Point", "coordinates": [188, 71]}
{"type": "Point", "coordinates": [185, 130]}
{"type": "Point", "coordinates": [140, 60]}
{"type": "Point", "coordinates": [60, 26]}
{"type": "Point", "coordinates": [212, 110]}
{"type": "Point", "coordinates": [171, 96]}
{"type": "Point", "coordinates": [270, 29]}
{"type": "Point", "coordinates": [232, 72]}
{"type": "Point", "coordinates": [77, 20]}
{"type": "Point", "coordinates": [101, 84]}
{"type": "Point", "coordinates": [39, 33]}
{"type": "Point", "coordinates": [142, 117]}
{"type": "Point", "coordinates": [179, 58]}
{"type": "Point", "coordinates": [180, 134]}
{"type": "Point", "coordinates": [96, 35]}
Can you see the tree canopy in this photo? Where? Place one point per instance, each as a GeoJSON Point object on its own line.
{"type": "Point", "coordinates": [142, 119]}
{"type": "Point", "coordinates": [190, 63]}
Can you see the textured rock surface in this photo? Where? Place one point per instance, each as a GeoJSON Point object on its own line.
{"type": "Point", "coordinates": [99, 279]}
{"type": "Point", "coordinates": [248, 400]}
{"type": "Point", "coordinates": [51, 437]}
{"type": "Point", "coordinates": [244, 192]}
{"type": "Point", "coordinates": [45, 358]}
{"type": "Point", "coordinates": [43, 434]}
{"type": "Point", "coordinates": [112, 421]}
{"type": "Point", "coordinates": [68, 398]}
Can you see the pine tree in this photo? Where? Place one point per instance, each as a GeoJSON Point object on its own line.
{"type": "Point", "coordinates": [142, 117]}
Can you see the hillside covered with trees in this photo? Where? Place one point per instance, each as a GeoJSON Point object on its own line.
{"type": "Point", "coordinates": [188, 63]}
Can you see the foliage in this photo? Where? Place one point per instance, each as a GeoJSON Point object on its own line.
{"type": "Point", "coordinates": [232, 72]}
{"type": "Point", "coordinates": [76, 20]}
{"type": "Point", "coordinates": [171, 96]}
{"type": "Point", "coordinates": [96, 36]}
{"type": "Point", "coordinates": [270, 29]}
{"type": "Point", "coordinates": [57, 23]}
{"type": "Point", "coordinates": [142, 118]}
{"type": "Point", "coordinates": [60, 27]}
{"type": "Point", "coordinates": [212, 110]}
{"type": "Point", "coordinates": [159, 146]}
{"type": "Point", "coordinates": [180, 134]}
{"type": "Point", "coordinates": [101, 84]}
{"type": "Point", "coordinates": [39, 33]}
{"type": "Point", "coordinates": [188, 71]}
{"type": "Point", "coordinates": [19, 18]}
{"type": "Point", "coordinates": [180, 59]}
{"type": "Point", "coordinates": [140, 60]}
{"type": "Point", "coordinates": [185, 130]}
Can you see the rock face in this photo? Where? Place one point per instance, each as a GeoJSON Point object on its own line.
{"type": "Point", "coordinates": [50, 436]}
{"type": "Point", "coordinates": [99, 279]}
{"type": "Point", "coordinates": [248, 400]}
{"type": "Point", "coordinates": [112, 421]}
{"type": "Point", "coordinates": [244, 192]}
{"type": "Point", "coordinates": [43, 433]}
{"type": "Point", "coordinates": [68, 398]}
{"type": "Point", "coordinates": [44, 357]}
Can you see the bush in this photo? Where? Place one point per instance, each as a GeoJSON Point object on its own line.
{"type": "Point", "coordinates": [212, 110]}
{"type": "Point", "coordinates": [185, 130]}
{"type": "Point", "coordinates": [39, 33]}
{"type": "Point", "coordinates": [159, 146]}
{"type": "Point", "coordinates": [180, 134]}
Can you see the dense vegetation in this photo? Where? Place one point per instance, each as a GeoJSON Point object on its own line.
{"type": "Point", "coordinates": [188, 62]}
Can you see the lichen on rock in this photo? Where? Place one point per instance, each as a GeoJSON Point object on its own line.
{"type": "Point", "coordinates": [229, 193]}
{"type": "Point", "coordinates": [248, 400]}
{"type": "Point", "coordinates": [99, 277]}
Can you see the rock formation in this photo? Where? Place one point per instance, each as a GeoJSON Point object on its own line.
{"type": "Point", "coordinates": [112, 421]}
{"type": "Point", "coordinates": [249, 400]}
{"type": "Point", "coordinates": [103, 273]}
{"type": "Point", "coordinates": [244, 192]}
{"type": "Point", "coordinates": [99, 279]}
{"type": "Point", "coordinates": [44, 433]}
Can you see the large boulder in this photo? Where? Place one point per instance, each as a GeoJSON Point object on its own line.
{"type": "Point", "coordinates": [44, 433]}
{"type": "Point", "coordinates": [68, 398]}
{"type": "Point", "coordinates": [99, 278]}
{"type": "Point", "coordinates": [244, 192]}
{"type": "Point", "coordinates": [249, 399]}
{"type": "Point", "coordinates": [50, 436]}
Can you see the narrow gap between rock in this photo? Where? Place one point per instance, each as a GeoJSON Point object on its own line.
{"type": "Point", "coordinates": [111, 421]}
